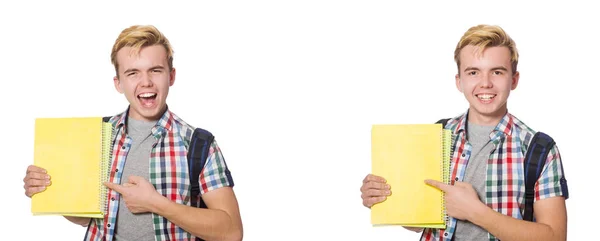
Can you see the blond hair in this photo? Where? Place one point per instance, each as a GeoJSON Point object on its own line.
{"type": "Point", "coordinates": [484, 36]}
{"type": "Point", "coordinates": [139, 36]}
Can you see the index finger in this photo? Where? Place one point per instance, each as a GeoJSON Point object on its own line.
{"type": "Point", "coordinates": [118, 188]}
{"type": "Point", "coordinates": [34, 168]}
{"type": "Point", "coordinates": [439, 185]}
{"type": "Point", "coordinates": [374, 178]}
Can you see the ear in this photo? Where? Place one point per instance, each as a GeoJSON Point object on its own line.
{"type": "Point", "coordinates": [172, 77]}
{"type": "Point", "coordinates": [117, 84]}
{"type": "Point", "coordinates": [515, 81]}
{"type": "Point", "coordinates": [458, 84]}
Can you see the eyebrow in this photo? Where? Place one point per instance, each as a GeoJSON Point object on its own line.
{"type": "Point", "coordinates": [493, 69]}
{"type": "Point", "coordinates": [136, 70]}
{"type": "Point", "coordinates": [500, 68]}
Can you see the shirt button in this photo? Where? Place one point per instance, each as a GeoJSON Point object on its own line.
{"type": "Point", "coordinates": [123, 147]}
{"type": "Point", "coordinates": [456, 179]}
{"type": "Point", "coordinates": [108, 225]}
{"type": "Point", "coordinates": [117, 170]}
{"type": "Point", "coordinates": [463, 155]}
{"type": "Point", "coordinates": [445, 234]}
{"type": "Point", "coordinates": [112, 198]}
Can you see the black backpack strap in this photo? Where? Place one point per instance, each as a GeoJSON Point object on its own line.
{"type": "Point", "coordinates": [443, 122]}
{"type": "Point", "coordinates": [534, 162]}
{"type": "Point", "coordinates": [197, 155]}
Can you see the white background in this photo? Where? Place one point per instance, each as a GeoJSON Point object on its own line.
{"type": "Point", "coordinates": [290, 89]}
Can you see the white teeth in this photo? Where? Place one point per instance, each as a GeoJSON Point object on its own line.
{"type": "Point", "coordinates": [486, 96]}
{"type": "Point", "coordinates": [146, 95]}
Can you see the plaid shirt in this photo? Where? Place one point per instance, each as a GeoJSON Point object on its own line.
{"type": "Point", "coordinates": [168, 173]}
{"type": "Point", "coordinates": [505, 179]}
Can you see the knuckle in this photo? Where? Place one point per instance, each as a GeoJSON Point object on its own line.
{"type": "Point", "coordinates": [375, 193]}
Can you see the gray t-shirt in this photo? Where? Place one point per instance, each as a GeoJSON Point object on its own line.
{"type": "Point", "coordinates": [130, 226]}
{"type": "Point", "coordinates": [475, 174]}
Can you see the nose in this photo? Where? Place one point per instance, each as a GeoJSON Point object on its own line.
{"type": "Point", "coordinates": [486, 81]}
{"type": "Point", "coordinates": [146, 80]}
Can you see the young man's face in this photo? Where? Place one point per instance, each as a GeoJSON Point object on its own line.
{"type": "Point", "coordinates": [145, 81]}
{"type": "Point", "coordinates": [486, 81]}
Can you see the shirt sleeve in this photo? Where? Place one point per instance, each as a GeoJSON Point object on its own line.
{"type": "Point", "coordinates": [552, 181]}
{"type": "Point", "coordinates": [215, 173]}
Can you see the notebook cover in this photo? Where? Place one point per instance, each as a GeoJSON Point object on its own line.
{"type": "Point", "coordinates": [74, 154]}
{"type": "Point", "coordinates": [405, 155]}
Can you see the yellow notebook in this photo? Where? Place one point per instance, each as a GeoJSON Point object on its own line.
{"type": "Point", "coordinates": [76, 152]}
{"type": "Point", "coordinates": [405, 155]}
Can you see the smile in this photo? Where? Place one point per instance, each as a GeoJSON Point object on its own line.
{"type": "Point", "coordinates": [485, 96]}
{"type": "Point", "coordinates": [148, 99]}
{"type": "Point", "coordinates": [147, 95]}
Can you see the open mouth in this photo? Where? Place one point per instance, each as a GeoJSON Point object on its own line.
{"type": "Point", "coordinates": [147, 99]}
{"type": "Point", "coordinates": [485, 97]}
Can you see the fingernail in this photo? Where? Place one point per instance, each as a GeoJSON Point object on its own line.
{"type": "Point", "coordinates": [47, 176]}
{"type": "Point", "coordinates": [387, 186]}
{"type": "Point", "coordinates": [387, 192]}
{"type": "Point", "coordinates": [47, 182]}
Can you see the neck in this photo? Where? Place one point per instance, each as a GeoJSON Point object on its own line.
{"type": "Point", "coordinates": [491, 119]}
{"type": "Point", "coordinates": [139, 117]}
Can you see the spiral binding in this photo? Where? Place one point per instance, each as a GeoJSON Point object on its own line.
{"type": "Point", "coordinates": [107, 137]}
{"type": "Point", "coordinates": [447, 143]}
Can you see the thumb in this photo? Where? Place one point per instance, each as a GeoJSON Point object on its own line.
{"type": "Point", "coordinates": [116, 187]}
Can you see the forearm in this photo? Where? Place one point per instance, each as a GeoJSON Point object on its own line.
{"type": "Point", "coordinates": [79, 220]}
{"type": "Point", "coordinates": [208, 224]}
{"type": "Point", "coordinates": [508, 228]}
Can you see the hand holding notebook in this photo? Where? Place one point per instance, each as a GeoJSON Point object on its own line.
{"type": "Point", "coordinates": [36, 180]}
{"type": "Point", "coordinates": [374, 190]}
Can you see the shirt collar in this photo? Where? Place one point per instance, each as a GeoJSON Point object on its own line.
{"type": "Point", "coordinates": [164, 124]}
{"type": "Point", "coordinates": [503, 128]}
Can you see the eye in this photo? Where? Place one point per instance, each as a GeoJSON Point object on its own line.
{"type": "Point", "coordinates": [472, 72]}
{"type": "Point", "coordinates": [156, 71]}
{"type": "Point", "coordinates": [131, 74]}
{"type": "Point", "coordinates": [497, 72]}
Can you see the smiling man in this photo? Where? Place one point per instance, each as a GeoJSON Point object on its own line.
{"type": "Point", "coordinates": [485, 200]}
{"type": "Point", "coordinates": [151, 195]}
